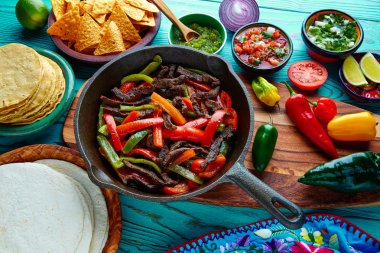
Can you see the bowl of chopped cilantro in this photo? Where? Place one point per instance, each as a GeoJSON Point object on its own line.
{"type": "Point", "coordinates": [212, 33]}
{"type": "Point", "coordinates": [331, 35]}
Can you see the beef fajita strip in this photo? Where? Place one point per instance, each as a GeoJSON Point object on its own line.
{"type": "Point", "coordinates": [206, 78]}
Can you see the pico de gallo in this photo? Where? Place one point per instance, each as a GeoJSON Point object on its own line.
{"type": "Point", "coordinates": [167, 129]}
{"type": "Point", "coordinates": [264, 47]}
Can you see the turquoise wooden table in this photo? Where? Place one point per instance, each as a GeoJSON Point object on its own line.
{"type": "Point", "coordinates": [155, 227]}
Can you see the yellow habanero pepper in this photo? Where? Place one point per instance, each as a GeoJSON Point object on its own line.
{"type": "Point", "coordinates": [265, 91]}
{"type": "Point", "coordinates": [353, 127]}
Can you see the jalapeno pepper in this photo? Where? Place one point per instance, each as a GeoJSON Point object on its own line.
{"type": "Point", "coordinates": [263, 145]}
{"type": "Point", "coordinates": [358, 172]}
{"type": "Point", "coordinates": [153, 66]}
{"type": "Point", "coordinates": [185, 173]}
{"type": "Point", "coordinates": [136, 78]}
{"type": "Point", "coordinates": [142, 161]}
{"type": "Point", "coordinates": [128, 108]}
{"type": "Point", "coordinates": [111, 125]}
{"type": "Point", "coordinates": [134, 140]}
{"type": "Point", "coordinates": [109, 152]}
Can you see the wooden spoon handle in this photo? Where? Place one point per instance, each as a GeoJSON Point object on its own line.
{"type": "Point", "coordinates": [170, 15]}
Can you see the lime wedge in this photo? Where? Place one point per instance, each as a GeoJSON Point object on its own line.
{"type": "Point", "coordinates": [370, 67]}
{"type": "Point", "coordinates": [352, 72]}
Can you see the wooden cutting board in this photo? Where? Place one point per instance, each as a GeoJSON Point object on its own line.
{"type": "Point", "coordinates": [45, 151]}
{"type": "Point", "coordinates": [293, 156]}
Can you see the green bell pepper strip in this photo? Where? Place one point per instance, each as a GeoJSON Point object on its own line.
{"type": "Point", "coordinates": [358, 172]}
{"type": "Point", "coordinates": [185, 173]}
{"type": "Point", "coordinates": [104, 131]}
{"type": "Point", "coordinates": [142, 161]}
{"type": "Point", "coordinates": [263, 145]}
{"type": "Point", "coordinates": [198, 71]}
{"type": "Point", "coordinates": [136, 78]}
{"type": "Point", "coordinates": [101, 121]}
{"type": "Point", "coordinates": [220, 128]}
{"type": "Point", "coordinates": [109, 152]}
{"type": "Point", "coordinates": [153, 66]}
{"type": "Point", "coordinates": [185, 92]}
{"type": "Point", "coordinates": [134, 140]}
{"type": "Point", "coordinates": [118, 119]}
{"type": "Point", "coordinates": [190, 114]}
{"type": "Point", "coordinates": [224, 148]}
{"type": "Point", "coordinates": [129, 108]}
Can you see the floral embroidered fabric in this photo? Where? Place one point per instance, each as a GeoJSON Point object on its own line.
{"type": "Point", "coordinates": [321, 233]}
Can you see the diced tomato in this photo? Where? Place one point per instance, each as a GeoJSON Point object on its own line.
{"type": "Point", "coordinates": [260, 37]}
{"type": "Point", "coordinates": [257, 54]}
{"type": "Point", "coordinates": [178, 189]}
{"type": "Point", "coordinates": [273, 61]}
{"type": "Point", "coordinates": [273, 44]}
{"type": "Point", "coordinates": [196, 166]}
{"type": "Point", "coordinates": [247, 48]}
{"type": "Point", "coordinates": [256, 31]}
{"type": "Point", "coordinates": [259, 47]}
{"type": "Point", "coordinates": [276, 34]}
{"type": "Point", "coordinates": [238, 49]}
{"type": "Point", "coordinates": [126, 87]}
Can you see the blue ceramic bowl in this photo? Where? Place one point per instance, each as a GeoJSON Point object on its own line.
{"type": "Point", "coordinates": [24, 131]}
{"type": "Point", "coordinates": [363, 94]}
{"type": "Point", "coordinates": [324, 55]}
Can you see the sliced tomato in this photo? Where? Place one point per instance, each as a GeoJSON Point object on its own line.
{"type": "Point", "coordinates": [307, 75]}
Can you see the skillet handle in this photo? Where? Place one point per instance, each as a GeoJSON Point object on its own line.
{"type": "Point", "coordinates": [266, 196]}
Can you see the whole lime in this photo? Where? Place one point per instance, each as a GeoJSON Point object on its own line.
{"type": "Point", "coordinates": [32, 14]}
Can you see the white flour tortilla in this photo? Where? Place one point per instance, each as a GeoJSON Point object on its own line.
{"type": "Point", "coordinates": [100, 228]}
{"type": "Point", "coordinates": [40, 211]}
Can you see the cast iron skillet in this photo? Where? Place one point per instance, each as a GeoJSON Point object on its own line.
{"type": "Point", "coordinates": [234, 171]}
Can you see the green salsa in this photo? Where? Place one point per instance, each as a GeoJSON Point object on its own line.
{"type": "Point", "coordinates": [209, 40]}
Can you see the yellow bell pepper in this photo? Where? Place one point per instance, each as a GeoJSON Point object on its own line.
{"type": "Point", "coordinates": [353, 127]}
{"type": "Point", "coordinates": [265, 91]}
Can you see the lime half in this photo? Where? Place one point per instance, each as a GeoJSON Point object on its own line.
{"type": "Point", "coordinates": [370, 67]}
{"type": "Point", "coordinates": [352, 72]}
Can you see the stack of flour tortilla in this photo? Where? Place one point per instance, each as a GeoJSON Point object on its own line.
{"type": "Point", "coordinates": [50, 206]}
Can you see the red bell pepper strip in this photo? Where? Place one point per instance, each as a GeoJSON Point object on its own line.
{"type": "Point", "coordinates": [147, 153]}
{"type": "Point", "coordinates": [190, 153]}
{"type": "Point", "coordinates": [191, 184]}
{"type": "Point", "coordinates": [231, 118]}
{"type": "Point", "coordinates": [198, 123]}
{"type": "Point", "coordinates": [324, 109]}
{"type": "Point", "coordinates": [111, 125]}
{"type": "Point", "coordinates": [299, 111]}
{"type": "Point", "coordinates": [224, 99]}
{"type": "Point", "coordinates": [131, 117]}
{"type": "Point", "coordinates": [137, 125]}
{"type": "Point", "coordinates": [196, 166]}
{"type": "Point", "coordinates": [158, 141]}
{"type": "Point", "coordinates": [212, 125]}
{"type": "Point", "coordinates": [126, 87]}
{"type": "Point", "coordinates": [199, 86]}
{"type": "Point", "coordinates": [214, 167]}
{"type": "Point", "coordinates": [184, 133]}
{"type": "Point", "coordinates": [178, 189]}
{"type": "Point", "coordinates": [188, 103]}
{"type": "Point", "coordinates": [169, 108]}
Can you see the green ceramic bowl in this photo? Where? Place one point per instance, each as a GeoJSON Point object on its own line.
{"type": "Point", "coordinates": [23, 131]}
{"type": "Point", "coordinates": [202, 20]}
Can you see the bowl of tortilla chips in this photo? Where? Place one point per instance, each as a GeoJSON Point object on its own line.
{"type": "Point", "coordinates": [35, 93]}
{"type": "Point", "coordinates": [95, 31]}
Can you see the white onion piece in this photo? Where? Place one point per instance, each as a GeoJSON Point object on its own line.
{"type": "Point", "coordinates": [237, 13]}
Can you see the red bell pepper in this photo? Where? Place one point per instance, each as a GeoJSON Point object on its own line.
{"type": "Point", "coordinates": [191, 184]}
{"type": "Point", "coordinates": [144, 152]}
{"type": "Point", "coordinates": [131, 117]}
{"type": "Point", "coordinates": [214, 167]}
{"type": "Point", "coordinates": [324, 109]}
{"type": "Point", "coordinates": [137, 125]}
{"type": "Point", "coordinates": [126, 87]}
{"type": "Point", "coordinates": [199, 86]}
{"type": "Point", "coordinates": [184, 133]}
{"type": "Point", "coordinates": [111, 125]}
{"type": "Point", "coordinates": [178, 189]}
{"type": "Point", "coordinates": [198, 123]}
{"type": "Point", "coordinates": [169, 108]}
{"type": "Point", "coordinates": [299, 111]}
{"type": "Point", "coordinates": [190, 153]}
{"type": "Point", "coordinates": [158, 141]}
{"type": "Point", "coordinates": [224, 99]}
{"type": "Point", "coordinates": [188, 103]}
{"type": "Point", "coordinates": [231, 119]}
{"type": "Point", "coordinates": [212, 125]}
{"type": "Point", "coordinates": [196, 166]}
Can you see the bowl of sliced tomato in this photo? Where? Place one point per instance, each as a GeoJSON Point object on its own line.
{"type": "Point", "coordinates": [261, 48]}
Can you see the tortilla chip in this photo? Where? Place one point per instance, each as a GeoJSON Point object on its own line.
{"type": "Point", "coordinates": [131, 11]}
{"type": "Point", "coordinates": [100, 18]}
{"type": "Point", "coordinates": [128, 44]}
{"type": "Point", "coordinates": [111, 42]}
{"type": "Point", "coordinates": [143, 4]}
{"type": "Point", "coordinates": [150, 23]}
{"type": "Point", "coordinates": [59, 7]}
{"type": "Point", "coordinates": [88, 33]}
{"type": "Point", "coordinates": [70, 4]}
{"type": "Point", "coordinates": [103, 6]}
{"type": "Point", "coordinates": [66, 28]}
{"type": "Point", "coordinates": [70, 43]}
{"type": "Point", "coordinates": [125, 26]}
{"type": "Point", "coordinates": [145, 18]}
{"type": "Point", "coordinates": [88, 5]}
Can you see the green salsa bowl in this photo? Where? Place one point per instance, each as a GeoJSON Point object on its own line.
{"type": "Point", "coordinates": [202, 20]}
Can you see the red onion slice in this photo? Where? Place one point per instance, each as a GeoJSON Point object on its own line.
{"type": "Point", "coordinates": [236, 13]}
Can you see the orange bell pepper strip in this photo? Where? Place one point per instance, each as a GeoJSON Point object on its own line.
{"type": "Point", "coordinates": [131, 117]}
{"type": "Point", "coordinates": [214, 167]}
{"type": "Point", "coordinates": [158, 141]}
{"type": "Point", "coordinates": [188, 103]}
{"type": "Point", "coordinates": [137, 125]}
{"type": "Point", "coordinates": [190, 153]}
{"type": "Point", "coordinates": [184, 133]}
{"type": "Point", "coordinates": [169, 108]}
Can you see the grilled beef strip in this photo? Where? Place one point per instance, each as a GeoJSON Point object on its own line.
{"type": "Point", "coordinates": [206, 94]}
{"type": "Point", "coordinates": [163, 71]}
{"type": "Point", "coordinates": [172, 92]}
{"type": "Point", "coordinates": [172, 70]}
{"type": "Point", "coordinates": [115, 111]}
{"type": "Point", "coordinates": [147, 178]}
{"type": "Point", "coordinates": [167, 83]}
{"type": "Point", "coordinates": [213, 105]}
{"type": "Point", "coordinates": [168, 122]}
{"type": "Point", "coordinates": [111, 102]}
{"type": "Point", "coordinates": [198, 77]}
{"type": "Point", "coordinates": [172, 155]}
{"type": "Point", "coordinates": [133, 93]}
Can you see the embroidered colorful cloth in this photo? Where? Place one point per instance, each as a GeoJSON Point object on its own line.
{"type": "Point", "coordinates": [321, 233]}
